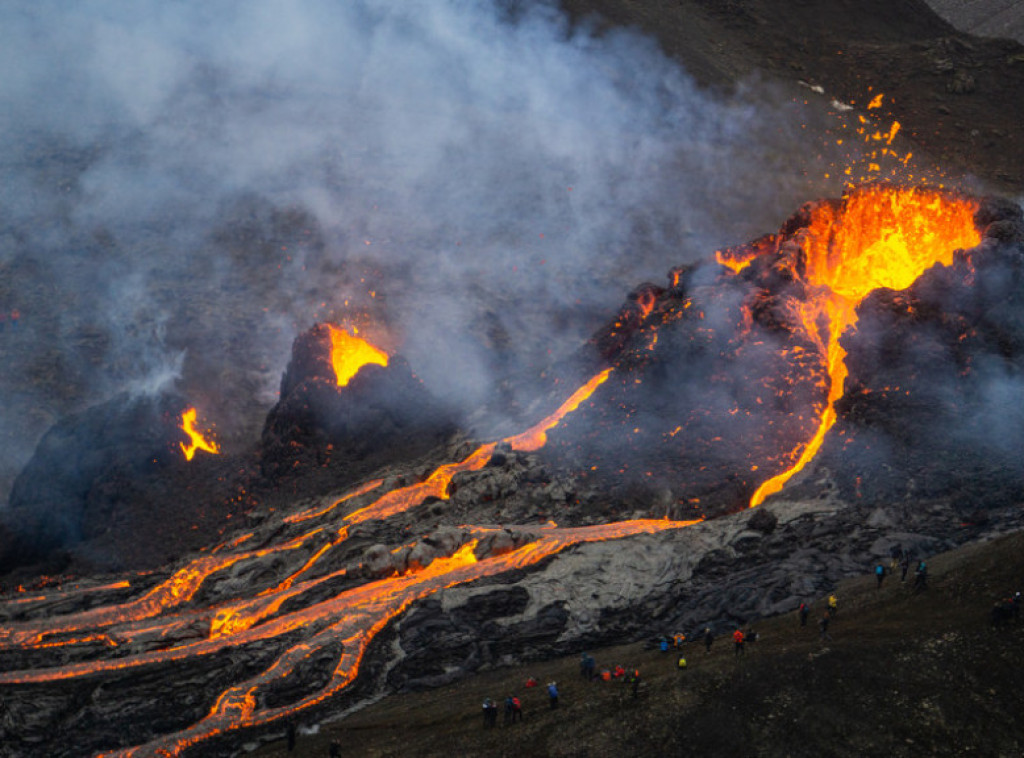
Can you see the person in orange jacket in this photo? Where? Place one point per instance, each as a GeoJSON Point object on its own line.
{"type": "Point", "coordinates": [737, 638]}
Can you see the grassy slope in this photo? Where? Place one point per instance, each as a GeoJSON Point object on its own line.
{"type": "Point", "coordinates": [905, 675]}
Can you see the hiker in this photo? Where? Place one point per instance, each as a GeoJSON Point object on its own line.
{"type": "Point", "coordinates": [509, 707]}
{"type": "Point", "coordinates": [904, 565]}
{"type": "Point", "coordinates": [553, 694]}
{"type": "Point", "coordinates": [681, 663]}
{"type": "Point", "coordinates": [737, 638]}
{"type": "Point", "coordinates": [663, 645]}
{"type": "Point", "coordinates": [894, 556]}
{"type": "Point", "coordinates": [823, 627]}
{"type": "Point", "coordinates": [678, 639]}
{"type": "Point", "coordinates": [531, 682]}
{"type": "Point", "coordinates": [879, 575]}
{"type": "Point", "coordinates": [709, 638]}
{"type": "Point", "coordinates": [606, 675]}
{"type": "Point", "coordinates": [833, 605]}
{"type": "Point", "coordinates": [804, 612]}
{"type": "Point", "coordinates": [636, 682]}
{"type": "Point", "coordinates": [517, 710]}
{"type": "Point", "coordinates": [587, 666]}
{"type": "Point", "coordinates": [921, 577]}
{"type": "Point", "coordinates": [620, 671]}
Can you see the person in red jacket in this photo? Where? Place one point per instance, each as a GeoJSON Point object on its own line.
{"type": "Point", "coordinates": [737, 638]}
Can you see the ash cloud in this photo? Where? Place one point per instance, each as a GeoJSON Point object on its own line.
{"type": "Point", "coordinates": [188, 185]}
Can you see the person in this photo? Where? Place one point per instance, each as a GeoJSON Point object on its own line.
{"type": "Point", "coordinates": [823, 626]}
{"type": "Point", "coordinates": [804, 612]}
{"type": "Point", "coordinates": [904, 565]}
{"type": "Point", "coordinates": [606, 675]}
{"type": "Point", "coordinates": [620, 671]}
{"type": "Point", "coordinates": [737, 638]}
{"type": "Point", "coordinates": [709, 638]}
{"type": "Point", "coordinates": [490, 714]}
{"type": "Point", "coordinates": [531, 682]}
{"type": "Point", "coordinates": [921, 577]}
{"type": "Point", "coordinates": [678, 639]}
{"type": "Point", "coordinates": [517, 710]}
{"type": "Point", "coordinates": [879, 574]}
{"type": "Point", "coordinates": [553, 694]}
{"type": "Point", "coordinates": [833, 605]}
{"type": "Point", "coordinates": [636, 682]}
{"type": "Point", "coordinates": [587, 666]}
{"type": "Point", "coordinates": [663, 644]}
{"type": "Point", "coordinates": [681, 663]}
{"type": "Point", "coordinates": [509, 708]}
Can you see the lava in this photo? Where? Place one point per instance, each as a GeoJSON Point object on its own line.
{"type": "Point", "coordinates": [350, 353]}
{"type": "Point", "coordinates": [878, 236]}
{"type": "Point", "coordinates": [160, 626]}
{"type": "Point", "coordinates": [198, 440]}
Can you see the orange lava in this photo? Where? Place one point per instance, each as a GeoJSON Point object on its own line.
{"type": "Point", "coordinates": [198, 439]}
{"type": "Point", "coordinates": [350, 353]}
{"type": "Point", "coordinates": [878, 236]}
{"type": "Point", "coordinates": [172, 623]}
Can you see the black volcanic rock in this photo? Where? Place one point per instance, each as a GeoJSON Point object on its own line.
{"type": "Point", "coordinates": [384, 414]}
{"type": "Point", "coordinates": [85, 469]}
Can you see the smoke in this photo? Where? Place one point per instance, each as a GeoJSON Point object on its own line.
{"type": "Point", "coordinates": [188, 185]}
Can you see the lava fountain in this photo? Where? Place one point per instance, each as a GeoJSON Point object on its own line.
{"type": "Point", "coordinates": [877, 236]}
{"type": "Point", "coordinates": [349, 353]}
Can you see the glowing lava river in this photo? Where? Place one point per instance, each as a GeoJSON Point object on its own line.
{"type": "Point", "coordinates": [168, 622]}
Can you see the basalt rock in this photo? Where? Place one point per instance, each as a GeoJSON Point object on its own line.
{"type": "Point", "coordinates": [330, 433]}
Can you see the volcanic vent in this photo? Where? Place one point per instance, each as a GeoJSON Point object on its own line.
{"type": "Point", "coordinates": [730, 376]}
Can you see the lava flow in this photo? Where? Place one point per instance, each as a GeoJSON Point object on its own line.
{"type": "Point", "coordinates": [203, 608]}
{"type": "Point", "coordinates": [350, 353]}
{"type": "Point", "coordinates": [198, 440]}
{"type": "Point", "coordinates": [877, 236]}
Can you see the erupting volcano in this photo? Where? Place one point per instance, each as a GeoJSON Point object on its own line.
{"type": "Point", "coordinates": [700, 398]}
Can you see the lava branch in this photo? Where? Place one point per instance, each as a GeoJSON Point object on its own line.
{"type": "Point", "coordinates": [879, 236]}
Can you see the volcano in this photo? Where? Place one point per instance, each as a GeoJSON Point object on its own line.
{"type": "Point", "coordinates": [834, 375]}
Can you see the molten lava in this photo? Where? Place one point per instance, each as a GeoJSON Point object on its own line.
{"type": "Point", "coordinates": [198, 439]}
{"type": "Point", "coordinates": [172, 622]}
{"type": "Point", "coordinates": [877, 236]}
{"type": "Point", "coordinates": [350, 353]}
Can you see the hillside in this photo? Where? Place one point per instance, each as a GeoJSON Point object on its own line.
{"type": "Point", "coordinates": [905, 675]}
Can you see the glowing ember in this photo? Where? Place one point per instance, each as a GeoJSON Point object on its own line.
{"type": "Point", "coordinates": [199, 441]}
{"type": "Point", "coordinates": [877, 237]}
{"type": "Point", "coordinates": [350, 353]}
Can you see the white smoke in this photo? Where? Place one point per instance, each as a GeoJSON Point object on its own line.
{"type": "Point", "coordinates": [436, 152]}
